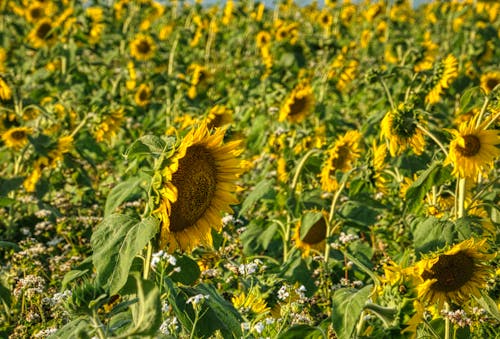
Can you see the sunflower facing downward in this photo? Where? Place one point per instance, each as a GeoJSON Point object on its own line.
{"type": "Point", "coordinates": [473, 150]}
{"type": "Point", "coordinates": [312, 239]}
{"type": "Point", "coordinates": [298, 104]}
{"type": "Point", "coordinates": [399, 127]}
{"type": "Point", "coordinates": [340, 157]}
{"type": "Point", "coordinates": [196, 187]}
{"type": "Point", "coordinates": [454, 275]}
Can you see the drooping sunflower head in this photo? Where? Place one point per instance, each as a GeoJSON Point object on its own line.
{"type": "Point", "coordinates": [299, 103]}
{"type": "Point", "coordinates": [489, 81]}
{"type": "Point", "coordinates": [43, 33]}
{"type": "Point", "coordinates": [142, 95]}
{"type": "Point", "coordinates": [399, 127]}
{"type": "Point", "coordinates": [455, 275]}
{"type": "Point", "coordinates": [310, 232]}
{"type": "Point", "coordinates": [16, 137]}
{"type": "Point", "coordinates": [473, 150]}
{"type": "Point", "coordinates": [219, 116]}
{"type": "Point", "coordinates": [142, 47]}
{"type": "Point", "coordinates": [196, 187]}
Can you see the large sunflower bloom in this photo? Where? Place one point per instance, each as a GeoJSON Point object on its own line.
{"type": "Point", "coordinates": [16, 137]}
{"type": "Point", "coordinates": [340, 157]}
{"type": "Point", "coordinates": [399, 126]}
{"type": "Point", "coordinates": [473, 150]}
{"type": "Point", "coordinates": [43, 33]}
{"type": "Point", "coordinates": [455, 275]}
{"type": "Point", "coordinates": [298, 104]}
{"type": "Point", "coordinates": [489, 81]}
{"type": "Point", "coordinates": [198, 185]}
{"type": "Point", "coordinates": [142, 47]}
{"type": "Point", "coordinates": [314, 238]}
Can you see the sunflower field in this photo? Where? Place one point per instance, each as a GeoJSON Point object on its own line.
{"type": "Point", "coordinates": [234, 169]}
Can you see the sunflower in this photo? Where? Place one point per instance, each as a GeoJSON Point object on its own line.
{"type": "Point", "coordinates": [16, 137]}
{"type": "Point", "coordinates": [489, 81]}
{"type": "Point", "coordinates": [298, 104]}
{"type": "Point", "coordinates": [142, 95]}
{"type": "Point", "coordinates": [142, 47]}
{"type": "Point", "coordinates": [340, 157]}
{"type": "Point", "coordinates": [196, 186]}
{"type": "Point", "coordinates": [325, 19]}
{"type": "Point", "coordinates": [219, 116]}
{"type": "Point", "coordinates": [399, 127]}
{"type": "Point", "coordinates": [110, 125]}
{"type": "Point", "coordinates": [454, 275]}
{"type": "Point", "coordinates": [263, 39]}
{"type": "Point", "coordinates": [312, 239]}
{"type": "Point", "coordinates": [199, 78]}
{"type": "Point", "coordinates": [253, 302]}
{"type": "Point", "coordinates": [38, 10]}
{"type": "Point", "coordinates": [5, 91]}
{"type": "Point", "coordinates": [447, 73]}
{"type": "Point", "coordinates": [42, 34]}
{"type": "Point", "coordinates": [473, 150]}
{"type": "Point", "coordinates": [378, 163]}
{"type": "Point", "coordinates": [30, 182]}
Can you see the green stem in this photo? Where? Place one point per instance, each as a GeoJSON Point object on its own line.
{"type": "Point", "coordinates": [147, 261]}
{"type": "Point", "coordinates": [387, 93]}
{"type": "Point", "coordinates": [447, 322]}
{"type": "Point", "coordinates": [483, 110]}
{"type": "Point", "coordinates": [461, 197]}
{"type": "Point", "coordinates": [492, 120]}
{"type": "Point", "coordinates": [433, 137]}
{"type": "Point", "coordinates": [300, 166]}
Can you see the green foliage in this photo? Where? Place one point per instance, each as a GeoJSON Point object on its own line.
{"type": "Point", "coordinates": [347, 306]}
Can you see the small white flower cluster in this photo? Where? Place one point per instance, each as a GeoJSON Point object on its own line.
{"type": "Point", "coordinates": [45, 332]}
{"type": "Point", "coordinates": [458, 317]}
{"type": "Point", "coordinates": [251, 268]}
{"type": "Point", "coordinates": [196, 299]}
{"type": "Point", "coordinates": [58, 298]}
{"type": "Point", "coordinates": [283, 294]}
{"type": "Point", "coordinates": [161, 255]}
{"type": "Point", "coordinates": [227, 219]}
{"type": "Point", "coordinates": [347, 283]}
{"type": "Point", "coordinates": [301, 292]}
{"type": "Point", "coordinates": [30, 285]}
{"type": "Point", "coordinates": [43, 213]}
{"type": "Point", "coordinates": [344, 240]}
{"type": "Point", "coordinates": [169, 326]}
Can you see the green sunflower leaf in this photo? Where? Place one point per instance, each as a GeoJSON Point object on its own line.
{"type": "Point", "coordinates": [259, 191]}
{"type": "Point", "coordinates": [308, 220]}
{"type": "Point", "coordinates": [347, 305]}
{"type": "Point", "coordinates": [189, 273]}
{"type": "Point", "coordinates": [116, 241]}
{"type": "Point", "coordinates": [146, 313]}
{"type": "Point", "coordinates": [78, 328]}
{"type": "Point", "coordinates": [121, 192]}
{"type": "Point", "coordinates": [301, 331]}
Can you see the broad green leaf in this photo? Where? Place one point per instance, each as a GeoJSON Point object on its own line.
{"type": "Point", "coordinates": [347, 305]}
{"type": "Point", "coordinates": [147, 145]}
{"type": "Point", "coordinates": [5, 296]}
{"type": "Point", "coordinates": [120, 193]}
{"type": "Point", "coordinates": [360, 211]}
{"type": "Point", "coordinates": [4, 201]}
{"type": "Point", "coordinates": [295, 270]}
{"type": "Point", "coordinates": [489, 305]}
{"type": "Point", "coordinates": [8, 244]}
{"type": "Point", "coordinates": [258, 235]}
{"type": "Point", "coordinates": [259, 191]}
{"type": "Point", "coordinates": [430, 234]}
{"type": "Point", "coordinates": [116, 241]}
{"type": "Point", "coordinates": [146, 313]}
{"type": "Point", "coordinates": [76, 329]}
{"type": "Point", "coordinates": [218, 314]}
{"type": "Point", "coordinates": [8, 185]}
{"type": "Point", "coordinates": [307, 221]}
{"type": "Point", "coordinates": [189, 273]}
{"type": "Point", "coordinates": [72, 275]}
{"type": "Point", "coordinates": [466, 100]}
{"type": "Point", "coordinates": [435, 175]}
{"type": "Point", "coordinates": [301, 331]}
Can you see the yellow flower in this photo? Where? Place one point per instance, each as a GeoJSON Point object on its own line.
{"type": "Point", "coordinates": [263, 39]}
{"type": "Point", "coordinates": [340, 157]}
{"type": "Point", "coordinates": [110, 125]}
{"type": "Point", "coordinates": [378, 162]}
{"type": "Point", "coordinates": [142, 47]}
{"type": "Point", "coordinates": [312, 239]}
{"type": "Point", "coordinates": [252, 302]}
{"type": "Point", "coordinates": [196, 187]}
{"type": "Point", "coordinates": [473, 150]}
{"type": "Point", "coordinates": [447, 73]}
{"type": "Point", "coordinates": [399, 127]}
{"type": "Point", "coordinates": [228, 12]}
{"type": "Point", "coordinates": [64, 145]}
{"type": "Point", "coordinates": [5, 91]}
{"type": "Point", "coordinates": [199, 78]}
{"type": "Point", "coordinates": [489, 81]}
{"type": "Point", "coordinates": [142, 95]}
{"type": "Point", "coordinates": [165, 32]}
{"type": "Point", "coordinates": [219, 116]}
{"type": "Point", "coordinates": [95, 13]}
{"type": "Point", "coordinates": [38, 10]}
{"type": "Point", "coordinates": [325, 19]}
{"type": "Point", "coordinates": [30, 182]}
{"type": "Point", "coordinates": [16, 137]}
{"type": "Point", "coordinates": [455, 275]}
{"type": "Point", "coordinates": [42, 34]}
{"type": "Point", "coordinates": [299, 103]}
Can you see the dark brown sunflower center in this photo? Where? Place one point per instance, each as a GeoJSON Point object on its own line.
{"type": "Point", "coordinates": [339, 161]}
{"type": "Point", "coordinates": [143, 47]}
{"type": "Point", "coordinates": [217, 121]}
{"type": "Point", "coordinates": [403, 126]}
{"type": "Point", "coordinates": [316, 233]}
{"type": "Point", "coordinates": [325, 19]}
{"type": "Point", "coordinates": [298, 106]}
{"type": "Point", "coordinates": [143, 95]}
{"type": "Point", "coordinates": [451, 271]}
{"type": "Point", "coordinates": [492, 83]}
{"type": "Point", "coordinates": [18, 135]}
{"type": "Point", "coordinates": [43, 30]}
{"type": "Point", "coordinates": [472, 145]}
{"type": "Point", "coordinates": [36, 12]}
{"type": "Point", "coordinates": [196, 181]}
